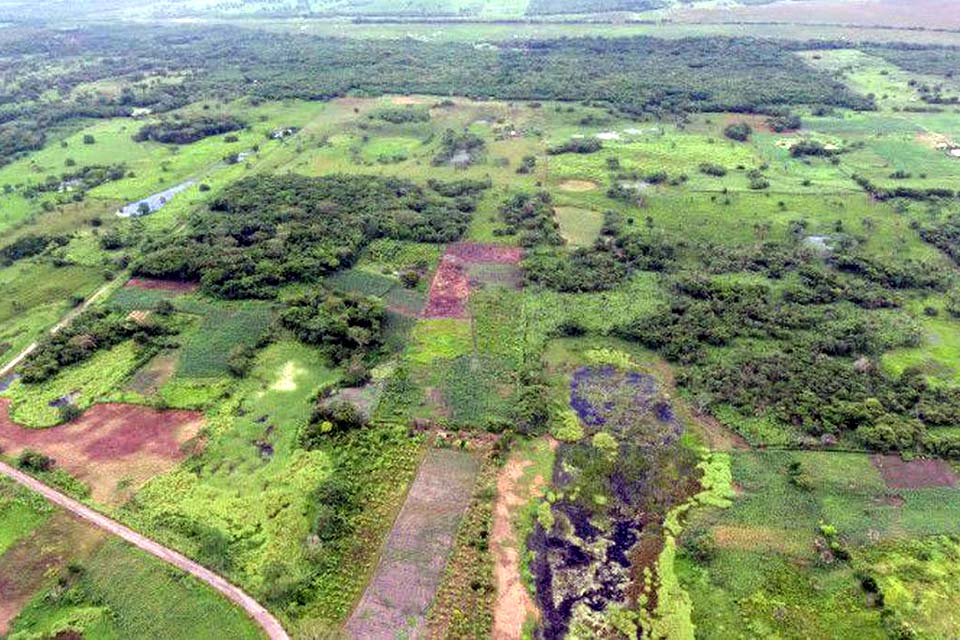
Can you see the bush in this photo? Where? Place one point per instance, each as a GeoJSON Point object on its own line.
{"type": "Point", "coordinates": [739, 131]}
{"type": "Point", "coordinates": [330, 417]}
{"type": "Point", "coordinates": [34, 461]}
{"type": "Point", "coordinates": [891, 433]}
{"type": "Point", "coordinates": [576, 145]}
{"type": "Point", "coordinates": [714, 170]}
{"type": "Point", "coordinates": [240, 360]}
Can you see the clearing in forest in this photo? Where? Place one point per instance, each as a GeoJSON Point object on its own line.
{"type": "Point", "coordinates": [110, 446]}
{"type": "Point", "coordinates": [415, 553]}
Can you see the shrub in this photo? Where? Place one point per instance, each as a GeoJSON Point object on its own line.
{"type": "Point", "coordinates": [714, 170]}
{"type": "Point", "coordinates": [34, 461]}
{"type": "Point", "coordinates": [576, 145]}
{"type": "Point", "coordinates": [739, 131]}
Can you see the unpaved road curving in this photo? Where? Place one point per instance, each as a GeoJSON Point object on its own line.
{"type": "Point", "coordinates": [270, 625]}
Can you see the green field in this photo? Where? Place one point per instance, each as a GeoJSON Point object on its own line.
{"type": "Point", "coordinates": [737, 283]}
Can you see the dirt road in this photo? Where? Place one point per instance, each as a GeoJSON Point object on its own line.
{"type": "Point", "coordinates": [65, 321]}
{"type": "Point", "coordinates": [270, 625]}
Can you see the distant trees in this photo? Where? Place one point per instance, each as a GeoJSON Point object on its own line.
{"type": "Point", "coordinates": [576, 145]}
{"type": "Point", "coordinates": [401, 115]}
{"type": "Point", "coordinates": [188, 130]}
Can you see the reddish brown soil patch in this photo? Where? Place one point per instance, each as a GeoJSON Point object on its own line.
{"type": "Point", "coordinates": [513, 604]}
{"type": "Point", "coordinates": [450, 288]}
{"type": "Point", "coordinates": [485, 253]}
{"type": "Point", "coordinates": [448, 291]}
{"type": "Point", "coordinates": [28, 565]}
{"type": "Point", "coordinates": [151, 377]}
{"type": "Point", "coordinates": [414, 556]}
{"type": "Point", "coordinates": [110, 443]}
{"type": "Point", "coordinates": [175, 286]}
{"type": "Point", "coordinates": [757, 122]}
{"type": "Point", "coordinates": [914, 474]}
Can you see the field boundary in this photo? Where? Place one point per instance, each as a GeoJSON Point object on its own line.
{"type": "Point", "coordinates": [270, 625]}
{"type": "Point", "coordinates": [64, 322]}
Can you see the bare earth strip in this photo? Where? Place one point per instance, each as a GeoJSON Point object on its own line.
{"type": "Point", "coordinates": [270, 625]}
{"type": "Point", "coordinates": [515, 489]}
{"type": "Point", "coordinates": [415, 553]}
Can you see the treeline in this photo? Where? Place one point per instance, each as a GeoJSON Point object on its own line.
{"type": "Point", "coordinates": [188, 130]}
{"type": "Point", "coordinates": [909, 193]}
{"type": "Point", "coordinates": [266, 231]}
{"type": "Point", "coordinates": [635, 75]}
{"type": "Point", "coordinates": [94, 330]}
{"type": "Point", "coordinates": [547, 7]}
{"type": "Point", "coordinates": [30, 245]}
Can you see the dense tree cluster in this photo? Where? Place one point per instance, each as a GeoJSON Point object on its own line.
{"type": "Point", "coordinates": [459, 148]}
{"type": "Point", "coordinates": [812, 148]}
{"type": "Point", "coordinates": [532, 219]}
{"type": "Point", "coordinates": [265, 231]}
{"type": "Point", "coordinates": [93, 330]}
{"type": "Point", "coordinates": [576, 145]}
{"type": "Point", "coordinates": [187, 130]}
{"type": "Point", "coordinates": [739, 131]}
{"type": "Point", "coordinates": [343, 325]}
{"type": "Point", "coordinates": [636, 75]}
{"type": "Point", "coordinates": [401, 115]}
{"type": "Point", "coordinates": [28, 246]}
{"type": "Point", "coordinates": [602, 266]}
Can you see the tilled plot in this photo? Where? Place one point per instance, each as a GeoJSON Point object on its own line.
{"type": "Point", "coordinates": [415, 554]}
{"type": "Point", "coordinates": [450, 288]}
{"type": "Point", "coordinates": [914, 474]}
{"type": "Point", "coordinates": [109, 444]}
{"type": "Point", "coordinates": [153, 284]}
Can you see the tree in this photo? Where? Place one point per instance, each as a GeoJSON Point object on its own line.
{"type": "Point", "coordinates": [88, 139]}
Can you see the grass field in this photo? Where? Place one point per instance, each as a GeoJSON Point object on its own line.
{"type": "Point", "coordinates": [121, 592]}
{"type": "Point", "coordinates": [742, 565]}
